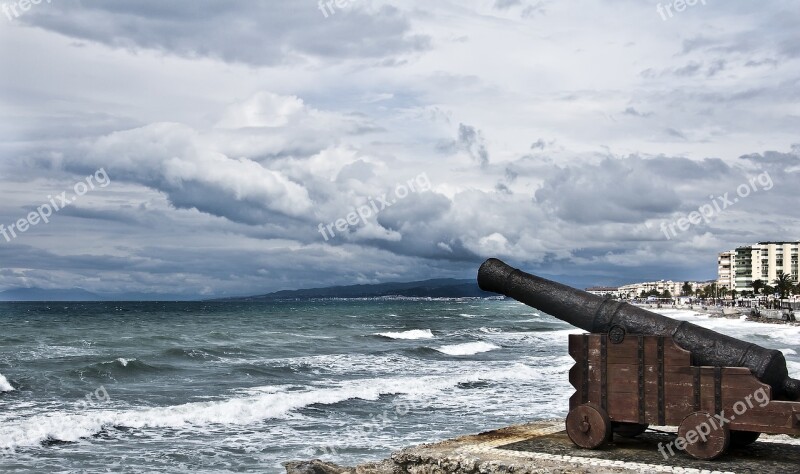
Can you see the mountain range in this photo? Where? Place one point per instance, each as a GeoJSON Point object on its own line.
{"type": "Point", "coordinates": [437, 288]}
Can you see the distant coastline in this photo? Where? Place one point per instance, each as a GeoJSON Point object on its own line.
{"type": "Point", "coordinates": [437, 288]}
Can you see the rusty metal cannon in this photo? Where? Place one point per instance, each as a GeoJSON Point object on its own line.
{"type": "Point", "coordinates": [635, 368]}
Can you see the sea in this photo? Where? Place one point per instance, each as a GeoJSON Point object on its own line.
{"type": "Point", "coordinates": [243, 387]}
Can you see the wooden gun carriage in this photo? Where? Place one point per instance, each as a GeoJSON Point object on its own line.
{"type": "Point", "coordinates": [623, 384]}
{"type": "Point", "coordinates": [637, 368]}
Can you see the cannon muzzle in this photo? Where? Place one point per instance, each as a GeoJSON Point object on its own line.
{"type": "Point", "coordinates": [596, 314]}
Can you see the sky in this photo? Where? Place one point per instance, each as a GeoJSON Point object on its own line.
{"type": "Point", "coordinates": [212, 149]}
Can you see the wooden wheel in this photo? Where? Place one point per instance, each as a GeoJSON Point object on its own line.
{"type": "Point", "coordinates": [588, 426]}
{"type": "Point", "coordinates": [705, 439]}
{"type": "Point", "coordinates": [740, 439]}
{"type": "Point", "coordinates": [628, 430]}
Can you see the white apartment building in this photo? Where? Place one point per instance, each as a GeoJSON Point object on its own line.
{"type": "Point", "coordinates": [675, 288]}
{"type": "Point", "coordinates": [604, 291]}
{"type": "Point", "coordinates": [739, 268]}
{"type": "Point", "coordinates": [725, 272]}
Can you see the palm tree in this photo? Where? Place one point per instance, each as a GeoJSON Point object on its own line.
{"type": "Point", "coordinates": [784, 284]}
{"type": "Point", "coordinates": [757, 286]}
{"type": "Point", "coordinates": [686, 289]}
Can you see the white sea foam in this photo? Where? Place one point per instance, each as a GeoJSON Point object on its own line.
{"type": "Point", "coordinates": [44, 351]}
{"type": "Point", "coordinates": [789, 351]}
{"type": "Point", "coordinates": [270, 403]}
{"type": "Point", "coordinates": [412, 334]}
{"type": "Point", "coordinates": [486, 330]}
{"type": "Point", "coordinates": [5, 386]}
{"type": "Point", "coordinates": [124, 361]}
{"type": "Point", "coordinates": [468, 348]}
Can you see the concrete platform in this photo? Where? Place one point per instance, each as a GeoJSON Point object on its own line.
{"type": "Point", "coordinates": [543, 447]}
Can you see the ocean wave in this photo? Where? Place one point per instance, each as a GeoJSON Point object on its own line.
{"type": "Point", "coordinates": [190, 354]}
{"type": "Point", "coordinates": [119, 367]}
{"type": "Point", "coordinates": [5, 385]}
{"type": "Point", "coordinates": [412, 334]}
{"type": "Point", "coordinates": [44, 352]}
{"type": "Point", "coordinates": [788, 351]}
{"type": "Point", "coordinates": [276, 370]}
{"type": "Point", "coordinates": [253, 406]}
{"type": "Point", "coordinates": [468, 348]}
{"type": "Point", "coordinates": [270, 403]}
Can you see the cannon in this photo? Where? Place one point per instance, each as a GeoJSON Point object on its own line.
{"type": "Point", "coordinates": [636, 368]}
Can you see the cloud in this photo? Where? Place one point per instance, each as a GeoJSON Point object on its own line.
{"type": "Point", "coordinates": [471, 140]}
{"type": "Point", "coordinates": [231, 130]}
{"type": "Point", "coordinates": [265, 109]}
{"type": "Point", "coordinates": [258, 33]}
{"type": "Point", "coordinates": [632, 111]}
{"type": "Point", "coordinates": [173, 158]}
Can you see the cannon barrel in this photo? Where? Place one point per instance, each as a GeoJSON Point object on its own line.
{"type": "Point", "coordinates": [596, 314]}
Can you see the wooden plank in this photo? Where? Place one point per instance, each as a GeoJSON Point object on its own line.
{"type": "Point", "coordinates": [623, 352]}
{"type": "Point", "coordinates": [575, 343]}
{"type": "Point", "coordinates": [604, 372]}
{"type": "Point", "coordinates": [624, 409]}
{"type": "Point", "coordinates": [594, 369]}
{"type": "Point", "coordinates": [640, 388]}
{"type": "Point", "coordinates": [585, 369]}
{"type": "Point", "coordinates": [697, 388]}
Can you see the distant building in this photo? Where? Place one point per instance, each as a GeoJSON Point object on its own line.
{"type": "Point", "coordinates": [604, 291]}
{"type": "Point", "coordinates": [739, 268]}
{"type": "Point", "coordinates": [675, 288]}
{"type": "Point", "coordinates": [726, 278]}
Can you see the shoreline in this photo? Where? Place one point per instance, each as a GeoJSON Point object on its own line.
{"type": "Point", "coordinates": [769, 316]}
{"type": "Point", "coordinates": [543, 447]}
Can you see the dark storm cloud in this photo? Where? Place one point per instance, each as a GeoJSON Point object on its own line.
{"type": "Point", "coordinates": [775, 158]}
{"type": "Point", "coordinates": [258, 33]}
{"type": "Point", "coordinates": [612, 191]}
{"type": "Point", "coordinates": [630, 189]}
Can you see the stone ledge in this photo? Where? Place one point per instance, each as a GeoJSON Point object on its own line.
{"type": "Point", "coordinates": [543, 447]}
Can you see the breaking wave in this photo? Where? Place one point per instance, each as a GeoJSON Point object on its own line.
{"type": "Point", "coordinates": [259, 404]}
{"type": "Point", "coordinates": [5, 385]}
{"type": "Point", "coordinates": [412, 334]}
{"type": "Point", "coordinates": [469, 348]}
